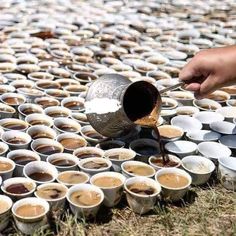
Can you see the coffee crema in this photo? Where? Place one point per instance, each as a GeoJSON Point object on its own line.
{"type": "Point", "coordinates": [53, 192]}
{"type": "Point", "coordinates": [72, 143]}
{"type": "Point", "coordinates": [107, 182]}
{"type": "Point", "coordinates": [141, 188]}
{"type": "Point", "coordinates": [169, 132]}
{"type": "Point", "coordinates": [37, 135]}
{"type": "Point", "coordinates": [171, 180]}
{"type": "Point", "coordinates": [141, 170]}
{"type": "Point", "coordinates": [19, 188]}
{"type": "Point", "coordinates": [84, 155]}
{"type": "Point", "coordinates": [40, 176]}
{"type": "Point", "coordinates": [14, 125]}
{"type": "Point", "coordinates": [85, 198]}
{"type": "Point", "coordinates": [13, 101]}
{"type": "Point", "coordinates": [16, 140]}
{"type": "Point", "coordinates": [39, 122]}
{"type": "Point", "coordinates": [72, 178]}
{"type": "Point", "coordinates": [5, 166]}
{"type": "Point", "coordinates": [74, 105]}
{"type": "Point", "coordinates": [29, 210]}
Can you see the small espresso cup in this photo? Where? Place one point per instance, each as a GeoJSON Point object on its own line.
{"type": "Point", "coordinates": [29, 224]}
{"type": "Point", "coordinates": [113, 190]}
{"type": "Point", "coordinates": [7, 167]}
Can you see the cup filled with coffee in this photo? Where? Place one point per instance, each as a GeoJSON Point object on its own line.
{"type": "Point", "coordinates": [87, 152]}
{"type": "Point", "coordinates": [46, 147]}
{"type": "Point", "coordinates": [41, 131]}
{"type": "Point", "coordinates": [144, 148]}
{"type": "Point", "coordinates": [39, 119]}
{"type": "Point", "coordinates": [57, 111]}
{"type": "Point", "coordinates": [169, 133]}
{"type": "Point", "coordinates": [63, 161]}
{"type": "Point", "coordinates": [112, 184]}
{"type": "Point", "coordinates": [18, 188]}
{"type": "Point", "coordinates": [119, 155]}
{"type": "Point", "coordinates": [16, 139]}
{"type": "Point", "coordinates": [7, 167]}
{"type": "Point", "coordinates": [53, 193]}
{"type": "Point", "coordinates": [45, 102]}
{"type": "Point", "coordinates": [158, 163]}
{"type": "Point", "coordinates": [71, 141]}
{"type": "Point", "coordinates": [137, 168]}
{"type": "Point", "coordinates": [75, 104]}
{"type": "Point", "coordinates": [6, 111]}
{"type": "Point", "coordinates": [141, 193]}
{"type": "Point", "coordinates": [174, 182]}
{"type": "Point", "coordinates": [30, 214]}
{"type": "Point", "coordinates": [63, 125]}
{"type": "Point", "coordinates": [13, 124]}
{"type": "Point", "coordinates": [80, 117]}
{"type": "Point", "coordinates": [21, 158]}
{"type": "Point", "coordinates": [5, 208]}
{"type": "Point", "coordinates": [72, 177]}
{"type": "Point", "coordinates": [29, 108]}
{"type": "Point", "coordinates": [94, 165]}
{"type": "Point", "coordinates": [40, 172]}
{"type": "Point", "coordinates": [13, 99]}
{"type": "Point", "coordinates": [85, 200]}
{"type": "Point", "coordinates": [3, 148]}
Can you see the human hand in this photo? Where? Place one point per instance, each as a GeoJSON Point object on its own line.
{"type": "Point", "coordinates": [209, 70]}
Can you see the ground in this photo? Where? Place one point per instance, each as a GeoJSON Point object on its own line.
{"type": "Point", "coordinates": [210, 210]}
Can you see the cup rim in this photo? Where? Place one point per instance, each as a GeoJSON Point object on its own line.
{"type": "Point", "coordinates": [72, 171]}
{"type": "Point", "coordinates": [51, 184]}
{"type": "Point", "coordinates": [210, 164]}
{"type": "Point", "coordinates": [174, 169]}
{"type": "Point", "coordinates": [43, 202]}
{"type": "Point", "coordinates": [225, 165]}
{"type": "Point", "coordinates": [143, 178]}
{"type": "Point", "coordinates": [70, 191]}
{"type": "Point", "coordinates": [110, 173]}
{"type": "Point", "coordinates": [27, 136]}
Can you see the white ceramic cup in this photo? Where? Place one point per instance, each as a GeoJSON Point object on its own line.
{"type": "Point", "coordinates": [139, 203]}
{"type": "Point", "coordinates": [28, 225]}
{"type": "Point", "coordinates": [121, 152]}
{"type": "Point", "coordinates": [112, 195]}
{"type": "Point", "coordinates": [5, 215]}
{"type": "Point", "coordinates": [7, 173]}
{"type": "Point", "coordinates": [18, 180]}
{"type": "Point", "coordinates": [40, 166]}
{"type": "Point", "coordinates": [84, 211]}
{"type": "Point", "coordinates": [204, 166]}
{"type": "Point", "coordinates": [173, 194]}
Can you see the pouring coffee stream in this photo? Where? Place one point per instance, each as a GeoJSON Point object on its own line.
{"type": "Point", "coordinates": [114, 105]}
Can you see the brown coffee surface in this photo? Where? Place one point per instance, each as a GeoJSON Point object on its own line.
{"type": "Point", "coordinates": [72, 178]}
{"type": "Point", "coordinates": [41, 135]}
{"type": "Point", "coordinates": [29, 210]}
{"type": "Point", "coordinates": [41, 176]}
{"type": "Point", "coordinates": [85, 198]}
{"type": "Point", "coordinates": [57, 114]}
{"type": "Point", "coordinates": [3, 206]}
{"type": "Point", "coordinates": [172, 180]}
{"type": "Point", "coordinates": [23, 160]}
{"type": "Point", "coordinates": [209, 107]}
{"type": "Point", "coordinates": [13, 100]}
{"type": "Point", "coordinates": [29, 111]}
{"type": "Point", "coordinates": [120, 156]}
{"type": "Point", "coordinates": [53, 192]}
{"type": "Point", "coordinates": [19, 188]}
{"type": "Point", "coordinates": [14, 126]}
{"type": "Point", "coordinates": [159, 162]}
{"type": "Point", "coordinates": [5, 166]}
{"type": "Point", "coordinates": [84, 155]}
{"type": "Point", "coordinates": [169, 132]}
{"type": "Point", "coordinates": [47, 150]}
{"type": "Point", "coordinates": [74, 105]}
{"type": "Point", "coordinates": [107, 182]}
{"type": "Point", "coordinates": [141, 170]}
{"type": "Point", "coordinates": [39, 122]}
{"type": "Point", "coordinates": [218, 97]}
{"type": "Point", "coordinates": [47, 103]}
{"type": "Point", "coordinates": [16, 140]}
{"type": "Point", "coordinates": [67, 128]}
{"type": "Point", "coordinates": [72, 143]}
{"type": "Point", "coordinates": [189, 113]}
{"type": "Point", "coordinates": [95, 165]}
{"type": "Point", "coordinates": [141, 188]}
{"type": "Point", "coordinates": [62, 162]}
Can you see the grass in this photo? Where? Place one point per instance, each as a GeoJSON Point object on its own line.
{"type": "Point", "coordinates": [204, 211]}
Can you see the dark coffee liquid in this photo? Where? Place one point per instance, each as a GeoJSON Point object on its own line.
{"type": "Point", "coordinates": [95, 165]}
{"type": "Point", "coordinates": [47, 103]}
{"type": "Point", "coordinates": [57, 114]}
{"type": "Point", "coordinates": [48, 150]}
{"type": "Point", "coordinates": [17, 189]}
{"type": "Point", "coordinates": [16, 141]}
{"type": "Point", "coordinates": [67, 128]}
{"type": "Point", "coordinates": [39, 122]}
{"type": "Point", "coordinates": [72, 143]}
{"type": "Point", "coordinates": [62, 162]}
{"type": "Point", "coordinates": [159, 162]}
{"type": "Point", "coordinates": [41, 135]}
{"type": "Point", "coordinates": [74, 105]}
{"type": "Point", "coordinates": [29, 111]}
{"type": "Point", "coordinates": [86, 155]}
{"type": "Point", "coordinates": [14, 126]}
{"type": "Point", "coordinates": [41, 176]}
{"type": "Point", "coordinates": [23, 160]}
{"type": "Point", "coordinates": [141, 188]}
{"type": "Point", "coordinates": [13, 100]}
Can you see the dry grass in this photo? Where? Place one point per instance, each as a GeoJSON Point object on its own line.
{"type": "Point", "coordinates": [209, 211]}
